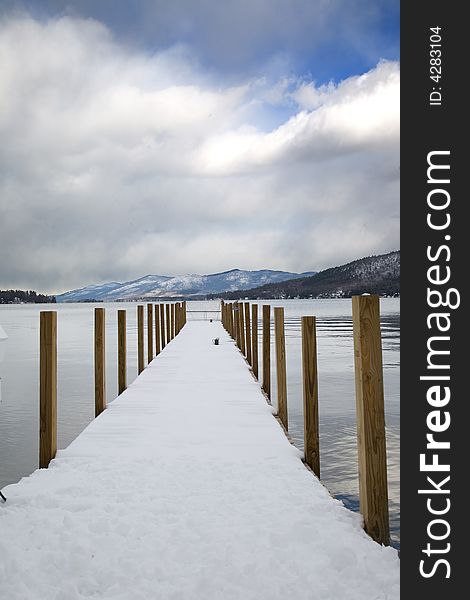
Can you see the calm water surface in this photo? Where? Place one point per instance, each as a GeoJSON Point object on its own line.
{"type": "Point", "coordinates": [19, 407]}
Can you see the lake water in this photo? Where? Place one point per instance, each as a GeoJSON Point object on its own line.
{"type": "Point", "coordinates": [19, 405]}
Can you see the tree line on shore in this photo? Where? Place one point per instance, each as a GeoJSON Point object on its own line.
{"type": "Point", "coordinates": [24, 297]}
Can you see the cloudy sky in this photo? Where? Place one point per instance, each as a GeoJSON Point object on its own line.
{"type": "Point", "coordinates": [195, 136]}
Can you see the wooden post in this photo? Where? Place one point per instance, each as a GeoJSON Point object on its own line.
{"type": "Point", "coordinates": [162, 324]}
{"type": "Point", "coordinates": [47, 387]}
{"type": "Point", "coordinates": [236, 322]}
{"type": "Point", "coordinates": [173, 321]}
{"type": "Point", "coordinates": [168, 324]}
{"type": "Point", "coordinates": [122, 352]}
{"type": "Point", "coordinates": [373, 492]}
{"type": "Point", "coordinates": [242, 328]}
{"type": "Point", "coordinates": [157, 330]}
{"type": "Point", "coordinates": [267, 350]}
{"type": "Point", "coordinates": [185, 318]}
{"type": "Point", "coordinates": [149, 333]}
{"type": "Point", "coordinates": [254, 339]}
{"type": "Point", "coordinates": [310, 392]}
{"type": "Point", "coordinates": [140, 339]}
{"type": "Point", "coordinates": [248, 332]}
{"type": "Point", "coordinates": [100, 361]}
{"type": "Point", "coordinates": [281, 364]}
{"type": "Point", "coordinates": [230, 320]}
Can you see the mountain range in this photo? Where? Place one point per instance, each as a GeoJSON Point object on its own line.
{"type": "Point", "coordinates": [372, 274]}
{"type": "Point", "coordinates": [186, 286]}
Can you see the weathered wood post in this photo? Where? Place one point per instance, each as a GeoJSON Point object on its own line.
{"type": "Point", "coordinates": [185, 317]}
{"type": "Point", "coordinates": [173, 321]}
{"type": "Point", "coordinates": [157, 330]}
{"type": "Point", "coordinates": [230, 319]}
{"type": "Point", "coordinates": [162, 324]}
{"type": "Point", "coordinates": [122, 352]}
{"type": "Point", "coordinates": [281, 377]}
{"type": "Point", "coordinates": [310, 394]}
{"type": "Point", "coordinates": [254, 339]}
{"type": "Point", "coordinates": [242, 328]}
{"type": "Point", "coordinates": [373, 493]}
{"type": "Point", "coordinates": [140, 339]}
{"type": "Point", "coordinates": [222, 314]}
{"type": "Point", "coordinates": [267, 350]}
{"type": "Point", "coordinates": [149, 333]}
{"type": "Point", "coordinates": [100, 361]}
{"type": "Point", "coordinates": [47, 387]}
{"type": "Point", "coordinates": [236, 323]}
{"type": "Point", "coordinates": [168, 324]}
{"type": "Point", "coordinates": [180, 316]}
{"type": "Point", "coordinates": [248, 332]}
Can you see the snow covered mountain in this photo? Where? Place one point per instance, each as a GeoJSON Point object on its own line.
{"type": "Point", "coordinates": [372, 274]}
{"type": "Point", "coordinates": [161, 286]}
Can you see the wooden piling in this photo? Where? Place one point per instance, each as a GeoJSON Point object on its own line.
{"type": "Point", "coordinates": [47, 387]}
{"type": "Point", "coordinates": [140, 339]}
{"type": "Point", "coordinates": [122, 352]}
{"type": "Point", "coordinates": [162, 324]}
{"type": "Point", "coordinates": [242, 328]}
{"type": "Point", "coordinates": [310, 394]}
{"type": "Point", "coordinates": [248, 332]}
{"type": "Point", "coordinates": [373, 492]}
{"type": "Point", "coordinates": [149, 333]}
{"type": "Point", "coordinates": [267, 350]}
{"type": "Point", "coordinates": [254, 339]}
{"type": "Point", "coordinates": [157, 330]}
{"type": "Point", "coordinates": [100, 361]}
{"type": "Point", "coordinates": [236, 323]}
{"type": "Point", "coordinates": [281, 378]}
{"type": "Point", "coordinates": [180, 316]}
{"type": "Point", "coordinates": [230, 320]}
{"type": "Point", "coordinates": [168, 324]}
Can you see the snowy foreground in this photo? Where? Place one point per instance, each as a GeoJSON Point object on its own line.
{"type": "Point", "coordinates": [186, 488]}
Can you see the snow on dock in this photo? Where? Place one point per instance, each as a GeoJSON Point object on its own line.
{"type": "Point", "coordinates": [186, 488]}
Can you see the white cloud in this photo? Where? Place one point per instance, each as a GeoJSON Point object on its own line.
{"type": "Point", "coordinates": [115, 163]}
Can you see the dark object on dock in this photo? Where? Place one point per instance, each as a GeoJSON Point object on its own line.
{"type": "Point", "coordinates": [215, 341]}
{"type": "Point", "coordinates": [3, 497]}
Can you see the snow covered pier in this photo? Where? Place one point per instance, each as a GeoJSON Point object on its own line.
{"type": "Point", "coordinates": [186, 487]}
